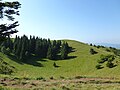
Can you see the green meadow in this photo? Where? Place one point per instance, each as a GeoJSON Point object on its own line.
{"type": "Point", "coordinates": [81, 65]}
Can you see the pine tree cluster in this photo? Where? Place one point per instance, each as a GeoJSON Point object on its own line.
{"type": "Point", "coordinates": [24, 47]}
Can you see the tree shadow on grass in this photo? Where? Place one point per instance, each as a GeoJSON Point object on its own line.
{"type": "Point", "coordinates": [71, 50]}
{"type": "Point", "coordinates": [71, 57]}
{"type": "Point", "coordinates": [55, 65]}
{"type": "Point", "coordinates": [101, 67]}
{"type": "Point", "coordinates": [13, 57]}
{"type": "Point", "coordinates": [35, 61]}
{"type": "Point", "coordinates": [113, 66]}
{"type": "Point", "coordinates": [32, 60]}
{"type": "Point", "coordinates": [58, 58]}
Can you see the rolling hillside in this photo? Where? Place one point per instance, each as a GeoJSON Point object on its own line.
{"type": "Point", "coordinates": [81, 63]}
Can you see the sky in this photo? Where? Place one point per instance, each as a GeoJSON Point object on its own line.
{"type": "Point", "coordinates": [89, 21]}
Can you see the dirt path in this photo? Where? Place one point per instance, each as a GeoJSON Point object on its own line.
{"type": "Point", "coordinates": [22, 83]}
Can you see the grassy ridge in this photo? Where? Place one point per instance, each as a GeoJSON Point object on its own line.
{"type": "Point", "coordinates": [83, 65]}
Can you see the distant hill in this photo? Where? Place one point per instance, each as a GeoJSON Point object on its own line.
{"type": "Point", "coordinates": [109, 45]}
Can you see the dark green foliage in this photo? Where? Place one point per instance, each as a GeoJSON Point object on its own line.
{"type": "Point", "coordinates": [90, 44]}
{"type": "Point", "coordinates": [115, 51]}
{"type": "Point", "coordinates": [50, 53]}
{"type": "Point", "coordinates": [5, 68]}
{"type": "Point", "coordinates": [64, 51]}
{"type": "Point", "coordinates": [3, 49]}
{"type": "Point", "coordinates": [32, 44]}
{"type": "Point", "coordinates": [8, 51]}
{"type": "Point", "coordinates": [99, 66]}
{"type": "Point", "coordinates": [98, 46]}
{"type": "Point", "coordinates": [54, 64]}
{"type": "Point", "coordinates": [38, 48]}
{"type": "Point", "coordinates": [106, 58]}
{"type": "Point", "coordinates": [8, 9]}
{"type": "Point", "coordinates": [95, 45]}
{"type": "Point", "coordinates": [111, 58]}
{"type": "Point", "coordinates": [100, 61]}
{"type": "Point", "coordinates": [40, 78]}
{"type": "Point", "coordinates": [108, 50]}
{"type": "Point", "coordinates": [110, 64]}
{"type": "Point", "coordinates": [24, 48]}
{"type": "Point", "coordinates": [15, 43]}
{"type": "Point", "coordinates": [27, 54]}
{"type": "Point", "coordinates": [92, 51]}
{"type": "Point", "coordinates": [18, 48]}
{"type": "Point", "coordinates": [103, 58]}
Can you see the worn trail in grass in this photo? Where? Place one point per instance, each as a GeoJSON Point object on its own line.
{"type": "Point", "coordinates": [61, 84]}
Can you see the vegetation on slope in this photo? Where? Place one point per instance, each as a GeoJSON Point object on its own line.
{"type": "Point", "coordinates": [5, 68]}
{"type": "Point", "coordinates": [82, 65]}
{"type": "Point", "coordinates": [24, 48]}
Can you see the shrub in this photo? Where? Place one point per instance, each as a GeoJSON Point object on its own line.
{"type": "Point", "coordinates": [61, 77]}
{"type": "Point", "coordinates": [5, 69]}
{"type": "Point", "coordinates": [98, 46]}
{"type": "Point", "coordinates": [90, 44]}
{"type": "Point", "coordinates": [39, 78]}
{"type": "Point", "coordinates": [51, 78]}
{"type": "Point", "coordinates": [110, 64]}
{"type": "Point", "coordinates": [100, 61]}
{"type": "Point", "coordinates": [3, 49]}
{"type": "Point", "coordinates": [108, 50]}
{"type": "Point", "coordinates": [92, 51]}
{"type": "Point", "coordinates": [78, 77]}
{"type": "Point", "coordinates": [99, 66]}
{"type": "Point", "coordinates": [65, 88]}
{"type": "Point", "coordinates": [104, 58]}
{"type": "Point", "coordinates": [111, 58]}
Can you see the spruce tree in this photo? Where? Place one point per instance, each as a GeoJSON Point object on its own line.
{"type": "Point", "coordinates": [9, 43]}
{"type": "Point", "coordinates": [64, 51]}
{"type": "Point", "coordinates": [24, 48]}
{"type": "Point", "coordinates": [15, 44]}
{"type": "Point", "coordinates": [22, 53]}
{"type": "Point", "coordinates": [50, 53]}
{"type": "Point", "coordinates": [18, 47]}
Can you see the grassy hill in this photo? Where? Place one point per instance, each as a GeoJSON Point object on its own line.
{"type": "Point", "coordinates": [82, 64]}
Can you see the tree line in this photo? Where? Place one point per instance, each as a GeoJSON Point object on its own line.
{"type": "Point", "coordinates": [24, 47]}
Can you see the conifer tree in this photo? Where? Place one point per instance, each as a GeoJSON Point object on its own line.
{"type": "Point", "coordinates": [18, 47]}
{"type": "Point", "coordinates": [64, 51]}
{"type": "Point", "coordinates": [15, 44]}
{"type": "Point", "coordinates": [9, 43]}
{"type": "Point", "coordinates": [24, 48]}
{"type": "Point", "coordinates": [22, 52]}
{"type": "Point", "coordinates": [33, 44]}
{"type": "Point", "coordinates": [50, 53]}
{"type": "Point", "coordinates": [8, 9]}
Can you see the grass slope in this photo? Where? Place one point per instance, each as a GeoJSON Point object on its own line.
{"type": "Point", "coordinates": [83, 65]}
